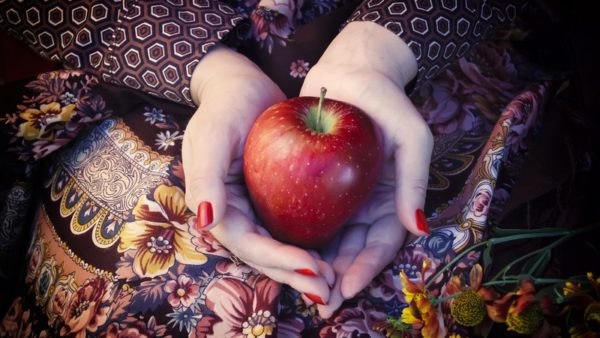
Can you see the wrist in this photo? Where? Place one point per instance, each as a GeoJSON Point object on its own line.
{"type": "Point", "coordinates": [366, 46]}
{"type": "Point", "coordinates": [219, 67]}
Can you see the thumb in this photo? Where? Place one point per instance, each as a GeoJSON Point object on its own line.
{"type": "Point", "coordinates": [209, 146]}
{"type": "Point", "coordinates": [414, 145]}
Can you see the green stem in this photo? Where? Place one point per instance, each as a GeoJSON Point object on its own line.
{"type": "Point", "coordinates": [499, 240]}
{"type": "Point", "coordinates": [320, 128]}
{"type": "Point", "coordinates": [488, 330]}
{"type": "Point", "coordinates": [437, 301]}
{"type": "Point", "coordinates": [454, 260]}
{"type": "Point", "coordinates": [508, 267]}
{"type": "Point", "coordinates": [566, 235]}
{"type": "Point", "coordinates": [518, 279]}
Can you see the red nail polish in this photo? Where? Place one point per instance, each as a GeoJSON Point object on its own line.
{"type": "Point", "coordinates": [315, 298]}
{"type": "Point", "coordinates": [306, 272]}
{"type": "Point", "coordinates": [205, 215]}
{"type": "Point", "coordinates": [422, 221]}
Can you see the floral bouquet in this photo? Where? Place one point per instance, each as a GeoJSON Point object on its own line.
{"type": "Point", "coordinates": [515, 299]}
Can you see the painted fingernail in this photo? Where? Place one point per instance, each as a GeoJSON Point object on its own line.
{"type": "Point", "coordinates": [306, 272]}
{"type": "Point", "coordinates": [204, 215]}
{"type": "Point", "coordinates": [422, 221]}
{"type": "Point", "coordinates": [315, 298]}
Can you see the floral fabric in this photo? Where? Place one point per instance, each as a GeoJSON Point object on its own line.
{"type": "Point", "coordinates": [114, 252]}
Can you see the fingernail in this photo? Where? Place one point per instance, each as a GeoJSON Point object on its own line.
{"type": "Point", "coordinates": [315, 298]}
{"type": "Point", "coordinates": [422, 221]}
{"type": "Point", "coordinates": [306, 272]}
{"type": "Point", "coordinates": [204, 215]}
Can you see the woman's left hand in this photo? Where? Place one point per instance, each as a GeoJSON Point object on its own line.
{"type": "Point", "coordinates": [367, 66]}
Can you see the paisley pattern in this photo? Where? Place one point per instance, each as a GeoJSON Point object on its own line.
{"type": "Point", "coordinates": [101, 179]}
{"type": "Point", "coordinates": [113, 252]}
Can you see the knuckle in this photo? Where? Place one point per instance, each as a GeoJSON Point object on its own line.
{"type": "Point", "coordinates": [190, 201]}
{"type": "Point", "coordinates": [419, 186]}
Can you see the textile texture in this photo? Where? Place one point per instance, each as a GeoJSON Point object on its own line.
{"type": "Point", "coordinates": [114, 250]}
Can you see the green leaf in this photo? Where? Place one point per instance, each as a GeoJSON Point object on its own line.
{"type": "Point", "coordinates": [537, 264]}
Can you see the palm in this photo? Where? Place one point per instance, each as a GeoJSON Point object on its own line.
{"type": "Point", "coordinates": [374, 235]}
{"type": "Point", "coordinates": [212, 153]}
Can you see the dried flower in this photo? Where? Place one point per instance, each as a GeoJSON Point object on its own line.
{"type": "Point", "coordinates": [420, 312]}
{"type": "Point", "coordinates": [469, 307]}
{"type": "Point", "coordinates": [577, 299]}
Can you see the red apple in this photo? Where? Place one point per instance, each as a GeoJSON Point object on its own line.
{"type": "Point", "coordinates": [309, 164]}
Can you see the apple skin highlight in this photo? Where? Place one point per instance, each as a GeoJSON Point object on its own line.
{"type": "Point", "coordinates": [305, 184]}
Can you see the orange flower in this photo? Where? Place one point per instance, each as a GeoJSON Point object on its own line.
{"type": "Point", "coordinates": [521, 310]}
{"type": "Point", "coordinates": [469, 307]}
{"type": "Point", "coordinates": [420, 312]}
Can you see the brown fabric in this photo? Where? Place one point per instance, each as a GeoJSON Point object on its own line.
{"type": "Point", "coordinates": [151, 46]}
{"type": "Point", "coordinates": [439, 32]}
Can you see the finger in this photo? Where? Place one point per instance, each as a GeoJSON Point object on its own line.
{"type": "Point", "coordinates": [325, 268]}
{"type": "Point", "coordinates": [351, 242]}
{"type": "Point", "coordinates": [315, 289]}
{"type": "Point", "coordinates": [327, 272]}
{"type": "Point", "coordinates": [241, 236]}
{"type": "Point", "coordinates": [335, 301]}
{"type": "Point", "coordinates": [207, 152]}
{"type": "Point", "coordinates": [384, 239]}
{"type": "Point", "coordinates": [412, 159]}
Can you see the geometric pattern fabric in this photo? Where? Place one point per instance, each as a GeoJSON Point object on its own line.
{"type": "Point", "coordinates": [151, 46]}
{"type": "Point", "coordinates": [154, 45]}
{"type": "Point", "coordinates": [438, 31]}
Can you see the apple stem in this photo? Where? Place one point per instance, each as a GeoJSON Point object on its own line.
{"type": "Point", "coordinates": [319, 108]}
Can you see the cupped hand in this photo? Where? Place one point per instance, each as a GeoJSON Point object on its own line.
{"type": "Point", "coordinates": [368, 66]}
{"type": "Point", "coordinates": [231, 92]}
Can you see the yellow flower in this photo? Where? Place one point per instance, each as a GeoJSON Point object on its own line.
{"type": "Point", "coordinates": [469, 307]}
{"type": "Point", "coordinates": [160, 233]}
{"type": "Point", "coordinates": [420, 312]}
{"type": "Point", "coordinates": [260, 325]}
{"type": "Point", "coordinates": [39, 123]}
{"type": "Point", "coordinates": [571, 288]}
{"type": "Point", "coordinates": [527, 321]}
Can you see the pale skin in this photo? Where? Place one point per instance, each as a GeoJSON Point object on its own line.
{"type": "Point", "coordinates": [366, 66]}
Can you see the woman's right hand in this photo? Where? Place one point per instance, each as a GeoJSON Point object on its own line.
{"type": "Point", "coordinates": [231, 92]}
